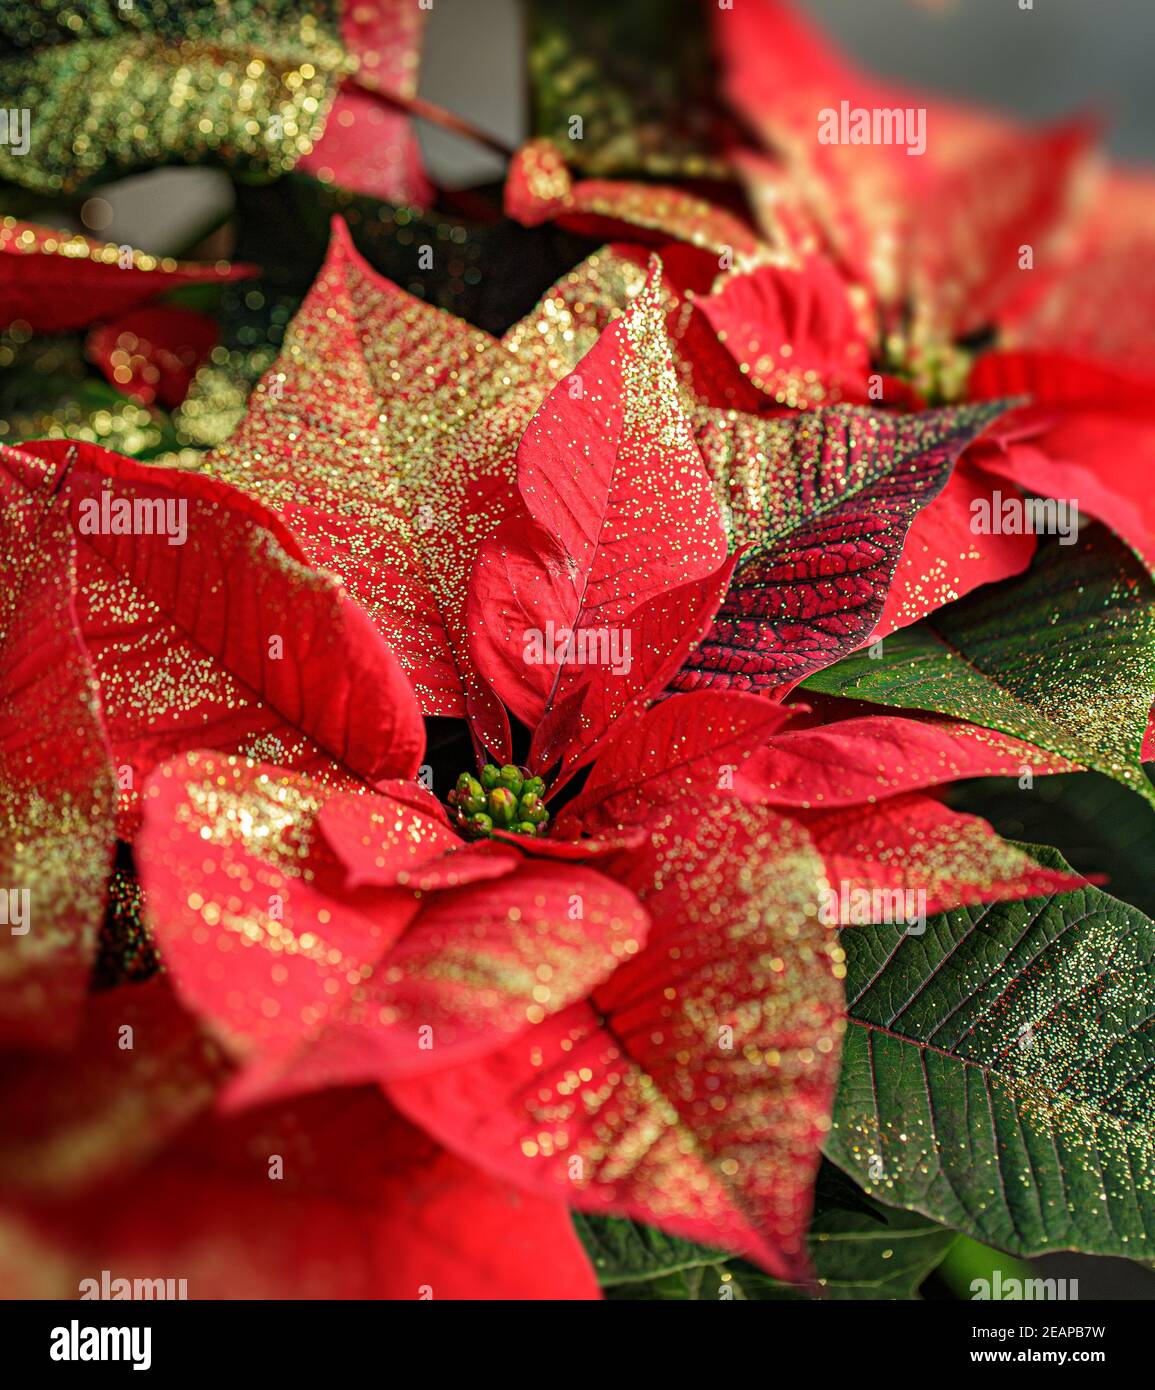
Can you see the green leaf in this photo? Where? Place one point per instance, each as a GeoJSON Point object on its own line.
{"type": "Point", "coordinates": [640, 81]}
{"type": "Point", "coordinates": [110, 89]}
{"type": "Point", "coordinates": [48, 393]}
{"type": "Point", "coordinates": [856, 1257]}
{"type": "Point", "coordinates": [1062, 656]}
{"type": "Point", "coordinates": [998, 1072]}
{"type": "Point", "coordinates": [860, 1250]}
{"type": "Point", "coordinates": [640, 1262]}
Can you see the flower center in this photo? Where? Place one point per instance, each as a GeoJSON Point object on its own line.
{"type": "Point", "coordinates": [499, 798]}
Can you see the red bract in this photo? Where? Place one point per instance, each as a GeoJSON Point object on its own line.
{"type": "Point", "coordinates": [1059, 379]}
{"type": "Point", "coordinates": [917, 845]}
{"type": "Point", "coordinates": [539, 188]}
{"type": "Point", "coordinates": [692, 1089]}
{"type": "Point", "coordinates": [849, 761]}
{"type": "Point", "coordinates": [369, 145]}
{"type": "Point", "coordinates": [1093, 457]}
{"type": "Point", "coordinates": [691, 748]}
{"type": "Point", "coordinates": [370, 982]}
{"type": "Point", "coordinates": [55, 281]}
{"type": "Point", "coordinates": [713, 740]}
{"type": "Point", "coordinates": [240, 645]}
{"type": "Point", "coordinates": [428, 412]}
{"type": "Point", "coordinates": [57, 792]}
{"type": "Point", "coordinates": [794, 333]}
{"type": "Point", "coordinates": [694, 744]}
{"type": "Point", "coordinates": [152, 354]}
{"type": "Point", "coordinates": [618, 524]}
{"type": "Point", "coordinates": [333, 1196]}
{"type": "Point", "coordinates": [942, 558]}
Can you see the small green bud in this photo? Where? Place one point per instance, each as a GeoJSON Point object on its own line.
{"type": "Point", "coordinates": [502, 798]}
{"type": "Point", "coordinates": [469, 795]}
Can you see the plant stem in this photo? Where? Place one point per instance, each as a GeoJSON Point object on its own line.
{"type": "Point", "coordinates": [424, 110]}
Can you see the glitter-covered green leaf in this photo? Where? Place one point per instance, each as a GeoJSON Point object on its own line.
{"type": "Point", "coordinates": [997, 1071]}
{"type": "Point", "coordinates": [113, 88]}
{"type": "Point", "coordinates": [879, 1254]}
{"type": "Point", "coordinates": [639, 1262]}
{"type": "Point", "coordinates": [639, 83]}
{"type": "Point", "coordinates": [1063, 657]}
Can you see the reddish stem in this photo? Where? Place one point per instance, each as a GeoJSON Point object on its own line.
{"type": "Point", "coordinates": [422, 109]}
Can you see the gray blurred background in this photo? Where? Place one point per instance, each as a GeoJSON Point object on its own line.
{"type": "Point", "coordinates": [1064, 55]}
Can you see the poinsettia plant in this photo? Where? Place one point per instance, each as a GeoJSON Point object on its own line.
{"type": "Point", "coordinates": [485, 813]}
